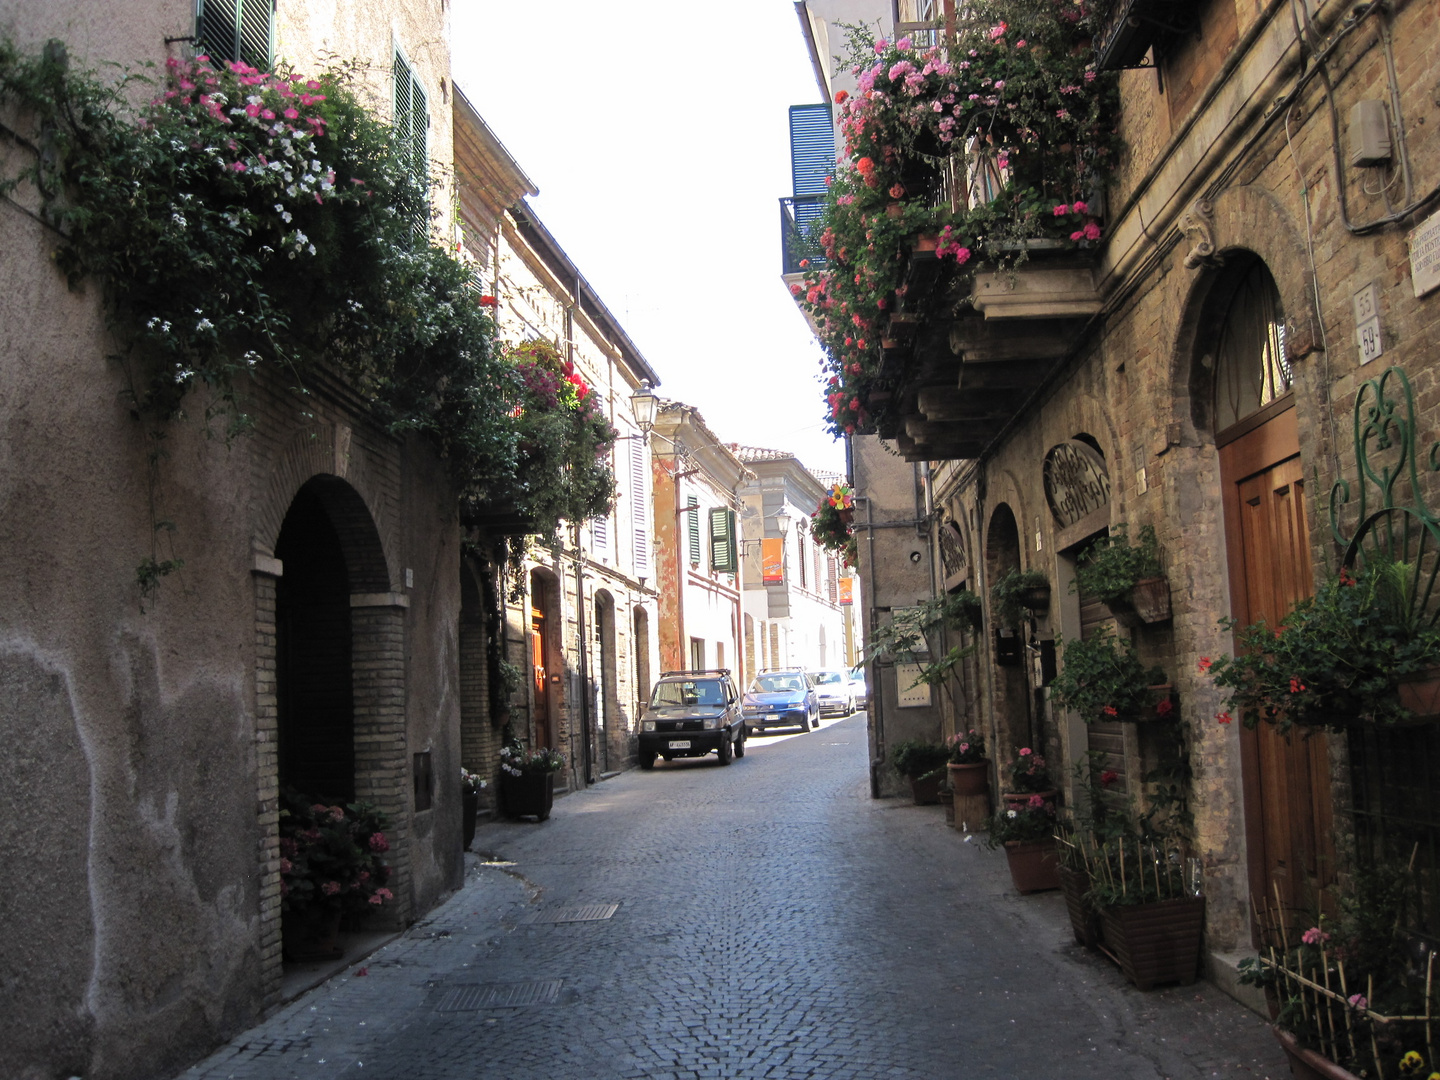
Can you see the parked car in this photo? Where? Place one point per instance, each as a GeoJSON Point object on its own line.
{"type": "Point", "coordinates": [859, 688]}
{"type": "Point", "coordinates": [691, 714]}
{"type": "Point", "coordinates": [782, 698]}
{"type": "Point", "coordinates": [837, 696]}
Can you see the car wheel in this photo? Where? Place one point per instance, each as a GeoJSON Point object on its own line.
{"type": "Point", "coordinates": [727, 750]}
{"type": "Point", "coordinates": [740, 744]}
{"type": "Point", "coordinates": [804, 723]}
{"type": "Point", "coordinates": [647, 761]}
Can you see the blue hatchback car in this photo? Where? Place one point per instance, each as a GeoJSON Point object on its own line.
{"type": "Point", "coordinates": [781, 698]}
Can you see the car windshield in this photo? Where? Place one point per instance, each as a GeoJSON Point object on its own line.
{"type": "Point", "coordinates": [826, 678]}
{"type": "Point", "coordinates": [704, 692]}
{"type": "Point", "coordinates": [777, 684]}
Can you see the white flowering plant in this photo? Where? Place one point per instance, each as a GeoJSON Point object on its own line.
{"type": "Point", "coordinates": [515, 760]}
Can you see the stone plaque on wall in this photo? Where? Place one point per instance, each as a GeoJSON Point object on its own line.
{"type": "Point", "coordinates": [1077, 483]}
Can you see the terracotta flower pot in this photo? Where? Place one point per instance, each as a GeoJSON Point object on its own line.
{"type": "Point", "coordinates": [1019, 800]}
{"type": "Point", "coordinates": [1307, 1064]}
{"type": "Point", "coordinates": [1421, 693]}
{"type": "Point", "coordinates": [973, 779]}
{"type": "Point", "coordinates": [926, 790]}
{"type": "Point", "coordinates": [1034, 865]}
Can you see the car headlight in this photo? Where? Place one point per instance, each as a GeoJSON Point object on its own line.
{"type": "Point", "coordinates": [647, 725]}
{"type": "Point", "coordinates": [710, 723]}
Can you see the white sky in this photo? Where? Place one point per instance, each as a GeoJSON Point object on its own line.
{"type": "Point", "coordinates": [657, 134]}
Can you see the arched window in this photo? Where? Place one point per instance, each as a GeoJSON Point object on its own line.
{"type": "Point", "coordinates": [1251, 370]}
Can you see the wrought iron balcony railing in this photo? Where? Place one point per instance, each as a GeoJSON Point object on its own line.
{"type": "Point", "coordinates": [797, 214]}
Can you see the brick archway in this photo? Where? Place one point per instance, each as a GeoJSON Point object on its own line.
{"type": "Point", "coordinates": [322, 465]}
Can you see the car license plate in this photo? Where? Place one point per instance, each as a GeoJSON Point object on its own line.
{"type": "Point", "coordinates": [772, 716]}
{"type": "Point", "coordinates": [679, 744]}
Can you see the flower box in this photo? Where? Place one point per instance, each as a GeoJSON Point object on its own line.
{"type": "Point", "coordinates": [1156, 942]}
{"type": "Point", "coordinates": [1084, 919]}
{"type": "Point", "coordinates": [1151, 599]}
{"type": "Point", "coordinates": [1421, 694]}
{"type": "Point", "coordinates": [926, 789]}
{"type": "Point", "coordinates": [1307, 1064]}
{"type": "Point", "coordinates": [527, 795]}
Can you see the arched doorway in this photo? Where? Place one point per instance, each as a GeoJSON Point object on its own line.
{"type": "Point", "coordinates": [608, 690]}
{"type": "Point", "coordinates": [544, 662]}
{"type": "Point", "coordinates": [641, 643]}
{"type": "Point", "coordinates": [1012, 709]}
{"type": "Point", "coordinates": [1286, 778]}
{"type": "Point", "coordinates": [313, 663]}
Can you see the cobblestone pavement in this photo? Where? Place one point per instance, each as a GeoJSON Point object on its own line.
{"type": "Point", "coordinates": [773, 922]}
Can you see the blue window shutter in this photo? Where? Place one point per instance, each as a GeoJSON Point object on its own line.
{"type": "Point", "coordinates": [812, 148]}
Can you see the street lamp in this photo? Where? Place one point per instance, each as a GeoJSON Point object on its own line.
{"type": "Point", "coordinates": [643, 404]}
{"type": "Point", "coordinates": [782, 521]}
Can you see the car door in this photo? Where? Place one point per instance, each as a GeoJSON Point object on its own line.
{"type": "Point", "coordinates": [812, 700]}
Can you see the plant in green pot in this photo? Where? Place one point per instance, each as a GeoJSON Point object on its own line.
{"type": "Point", "coordinates": [1027, 833]}
{"type": "Point", "coordinates": [1019, 592]}
{"type": "Point", "coordinates": [923, 764]}
{"type": "Point", "coordinates": [1129, 578]}
{"type": "Point", "coordinates": [1103, 679]}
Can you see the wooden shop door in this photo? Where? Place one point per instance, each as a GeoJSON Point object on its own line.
{"type": "Point", "coordinates": [1286, 777]}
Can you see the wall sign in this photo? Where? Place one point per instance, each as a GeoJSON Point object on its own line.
{"type": "Point", "coordinates": [1077, 483]}
{"type": "Point", "coordinates": [910, 693]}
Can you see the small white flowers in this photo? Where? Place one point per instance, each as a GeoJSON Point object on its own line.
{"type": "Point", "coordinates": [204, 325]}
{"type": "Point", "coordinates": [179, 219]}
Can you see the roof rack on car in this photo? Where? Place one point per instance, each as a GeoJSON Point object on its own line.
{"type": "Point", "coordinates": [697, 671]}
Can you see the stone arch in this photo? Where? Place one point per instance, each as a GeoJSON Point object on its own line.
{"type": "Point", "coordinates": [351, 498]}
{"type": "Point", "coordinates": [1249, 220]}
{"type": "Point", "coordinates": [375, 626]}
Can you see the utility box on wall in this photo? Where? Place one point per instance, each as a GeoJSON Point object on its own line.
{"type": "Point", "coordinates": [1007, 647]}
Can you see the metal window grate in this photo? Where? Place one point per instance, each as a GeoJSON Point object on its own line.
{"type": "Point", "coordinates": [499, 996]}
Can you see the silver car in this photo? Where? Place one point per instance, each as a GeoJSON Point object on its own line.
{"type": "Point", "coordinates": [837, 698]}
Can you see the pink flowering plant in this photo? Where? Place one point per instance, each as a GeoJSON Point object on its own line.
{"type": "Point", "coordinates": [967, 149]}
{"type": "Point", "coordinates": [966, 747]}
{"type": "Point", "coordinates": [332, 856]}
{"type": "Point", "coordinates": [1027, 771]}
{"type": "Point", "coordinates": [1027, 824]}
{"type": "Point", "coordinates": [237, 220]}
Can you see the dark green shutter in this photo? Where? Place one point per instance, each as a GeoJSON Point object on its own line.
{"type": "Point", "coordinates": [722, 541]}
{"type": "Point", "coordinates": [236, 30]}
{"type": "Point", "coordinates": [693, 528]}
{"type": "Point", "coordinates": [412, 129]}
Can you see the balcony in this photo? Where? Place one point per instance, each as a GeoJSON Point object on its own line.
{"type": "Point", "coordinates": [954, 385]}
{"type": "Point", "coordinates": [1136, 25]}
{"type": "Point", "coordinates": [797, 214]}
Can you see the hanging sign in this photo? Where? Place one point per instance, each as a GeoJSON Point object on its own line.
{"type": "Point", "coordinates": [772, 561]}
{"type": "Point", "coordinates": [847, 591]}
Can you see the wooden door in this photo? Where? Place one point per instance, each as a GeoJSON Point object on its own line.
{"type": "Point", "coordinates": [538, 652]}
{"type": "Point", "coordinates": [1286, 777]}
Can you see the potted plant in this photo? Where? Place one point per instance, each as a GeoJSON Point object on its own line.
{"type": "Point", "coordinates": [967, 765]}
{"type": "Point", "coordinates": [527, 779]}
{"type": "Point", "coordinates": [1129, 578]}
{"type": "Point", "coordinates": [1089, 821]}
{"type": "Point", "coordinates": [830, 524]}
{"type": "Point", "coordinates": [923, 764]}
{"type": "Point", "coordinates": [1018, 592]}
{"type": "Point", "coordinates": [1103, 679]}
{"type": "Point", "coordinates": [1027, 775]}
{"type": "Point", "coordinates": [1361, 650]}
{"type": "Point", "coordinates": [1027, 833]}
{"type": "Point", "coordinates": [331, 866]}
{"type": "Point", "coordinates": [471, 784]}
{"type": "Point", "coordinates": [1357, 995]}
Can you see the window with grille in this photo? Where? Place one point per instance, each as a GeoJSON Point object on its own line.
{"type": "Point", "coordinates": [236, 30]}
{"type": "Point", "coordinates": [692, 527]}
{"type": "Point", "coordinates": [412, 123]}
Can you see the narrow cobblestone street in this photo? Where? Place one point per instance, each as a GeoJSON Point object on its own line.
{"type": "Point", "coordinates": [771, 920]}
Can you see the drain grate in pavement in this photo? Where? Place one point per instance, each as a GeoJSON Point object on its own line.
{"type": "Point", "coordinates": [570, 913]}
{"type": "Point", "coordinates": [499, 996]}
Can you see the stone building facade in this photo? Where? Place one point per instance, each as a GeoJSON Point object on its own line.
{"type": "Point", "coordinates": [1197, 373]}
{"type": "Point", "coordinates": [150, 737]}
{"type": "Point", "coordinates": [793, 616]}
{"type": "Point", "coordinates": [574, 614]}
{"type": "Point", "coordinates": [697, 543]}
